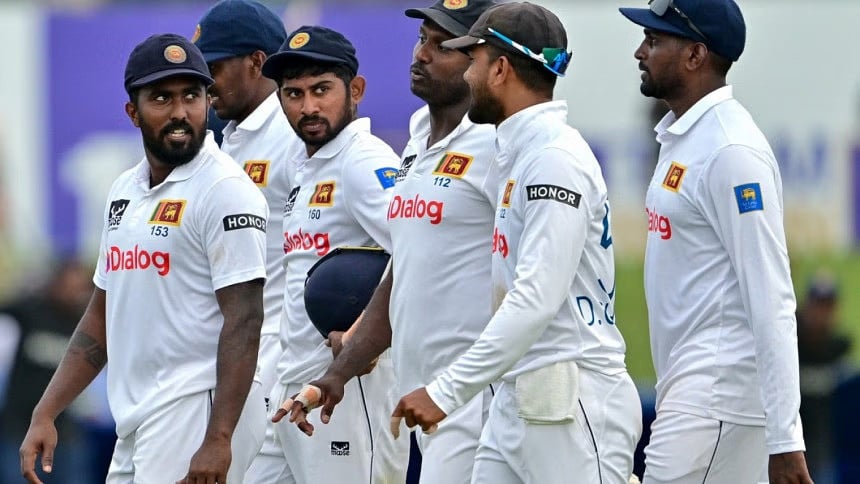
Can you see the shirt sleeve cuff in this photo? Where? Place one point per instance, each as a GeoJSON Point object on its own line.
{"type": "Point", "coordinates": [447, 405]}
{"type": "Point", "coordinates": [784, 447]}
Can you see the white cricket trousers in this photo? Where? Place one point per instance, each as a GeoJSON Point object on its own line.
{"type": "Point", "coordinates": [356, 446]}
{"type": "Point", "coordinates": [159, 451]}
{"type": "Point", "coordinates": [596, 448]}
{"type": "Point", "coordinates": [448, 455]}
{"type": "Point", "coordinates": [688, 449]}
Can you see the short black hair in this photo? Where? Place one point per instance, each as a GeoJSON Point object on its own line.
{"type": "Point", "coordinates": [530, 71]}
{"type": "Point", "coordinates": [301, 68]}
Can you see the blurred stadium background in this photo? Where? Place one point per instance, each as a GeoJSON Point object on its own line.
{"type": "Point", "coordinates": [64, 135]}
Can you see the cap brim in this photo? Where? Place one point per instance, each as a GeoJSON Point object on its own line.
{"type": "Point", "coordinates": [650, 20]}
{"type": "Point", "coordinates": [181, 71]}
{"type": "Point", "coordinates": [440, 18]}
{"type": "Point", "coordinates": [276, 63]}
{"type": "Point", "coordinates": [461, 42]}
{"type": "Point", "coordinates": [210, 57]}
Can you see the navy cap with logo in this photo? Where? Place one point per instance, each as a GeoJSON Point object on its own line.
{"type": "Point", "coordinates": [161, 56]}
{"type": "Point", "coordinates": [719, 24]}
{"type": "Point", "coordinates": [233, 28]}
{"type": "Point", "coordinates": [455, 16]}
{"type": "Point", "coordinates": [315, 43]}
{"type": "Point", "coordinates": [523, 28]}
{"type": "Point", "coordinates": [340, 285]}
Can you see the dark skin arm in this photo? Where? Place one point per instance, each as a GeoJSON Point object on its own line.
{"type": "Point", "coordinates": [788, 468]}
{"type": "Point", "coordinates": [242, 307]}
{"type": "Point", "coordinates": [84, 359]}
{"type": "Point", "coordinates": [371, 337]}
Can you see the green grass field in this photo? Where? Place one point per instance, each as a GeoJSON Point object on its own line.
{"type": "Point", "coordinates": [632, 317]}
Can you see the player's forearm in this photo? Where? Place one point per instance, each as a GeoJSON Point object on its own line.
{"type": "Point", "coordinates": [85, 357]}
{"type": "Point", "coordinates": [237, 361]}
{"type": "Point", "coordinates": [242, 307]}
{"type": "Point", "coordinates": [371, 337]}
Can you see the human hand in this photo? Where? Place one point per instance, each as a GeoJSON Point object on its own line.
{"type": "Point", "coordinates": [336, 341]}
{"type": "Point", "coordinates": [326, 392]}
{"type": "Point", "coordinates": [418, 409]}
{"type": "Point", "coordinates": [210, 463]}
{"type": "Point", "coordinates": [788, 468]}
{"type": "Point", "coordinates": [41, 438]}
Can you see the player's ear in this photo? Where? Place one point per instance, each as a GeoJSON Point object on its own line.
{"type": "Point", "coordinates": [257, 59]}
{"type": "Point", "coordinates": [356, 88]}
{"type": "Point", "coordinates": [131, 111]}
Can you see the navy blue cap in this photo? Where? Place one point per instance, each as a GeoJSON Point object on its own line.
{"type": "Point", "coordinates": [161, 56]}
{"type": "Point", "coordinates": [312, 42]}
{"type": "Point", "coordinates": [455, 16]}
{"type": "Point", "coordinates": [340, 285]}
{"type": "Point", "coordinates": [234, 28]}
{"type": "Point", "coordinates": [721, 21]}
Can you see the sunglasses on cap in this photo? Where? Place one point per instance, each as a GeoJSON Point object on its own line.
{"type": "Point", "coordinates": [659, 8]}
{"type": "Point", "coordinates": [554, 59]}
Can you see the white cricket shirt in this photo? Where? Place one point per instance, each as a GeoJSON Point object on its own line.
{"type": "Point", "coordinates": [340, 199]}
{"type": "Point", "coordinates": [441, 221]}
{"type": "Point", "coordinates": [164, 252]}
{"type": "Point", "coordinates": [261, 144]}
{"type": "Point", "coordinates": [553, 266]}
{"type": "Point", "coordinates": [720, 298]}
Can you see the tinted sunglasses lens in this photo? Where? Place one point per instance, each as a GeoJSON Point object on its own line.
{"type": "Point", "coordinates": [659, 7]}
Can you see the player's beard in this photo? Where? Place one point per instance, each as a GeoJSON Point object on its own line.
{"type": "Point", "coordinates": [439, 92]}
{"type": "Point", "coordinates": [330, 132]}
{"type": "Point", "coordinates": [659, 89]}
{"type": "Point", "coordinates": [484, 109]}
{"type": "Point", "coordinates": [169, 152]}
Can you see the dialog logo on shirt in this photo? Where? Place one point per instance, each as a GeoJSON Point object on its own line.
{"type": "Point", "coordinates": [339, 448]}
{"type": "Point", "coordinates": [115, 213]}
{"type": "Point", "coordinates": [258, 170]}
{"type": "Point", "coordinates": [553, 192]}
{"type": "Point", "coordinates": [506, 196]}
{"type": "Point", "coordinates": [659, 224]}
{"type": "Point", "coordinates": [454, 165]}
{"type": "Point", "coordinates": [305, 241]}
{"type": "Point", "coordinates": [387, 176]}
{"type": "Point", "coordinates": [244, 221]}
{"type": "Point", "coordinates": [674, 176]}
{"type": "Point", "coordinates": [749, 197]}
{"type": "Point", "coordinates": [404, 168]}
{"type": "Point", "coordinates": [323, 195]}
{"type": "Point", "coordinates": [416, 208]}
{"type": "Point", "coordinates": [137, 259]}
{"type": "Point", "coordinates": [168, 212]}
{"type": "Point", "coordinates": [500, 243]}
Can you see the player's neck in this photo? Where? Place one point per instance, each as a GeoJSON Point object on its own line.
{"type": "Point", "coordinates": [445, 119]}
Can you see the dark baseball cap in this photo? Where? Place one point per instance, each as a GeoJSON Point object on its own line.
{"type": "Point", "coordinates": [455, 16]}
{"type": "Point", "coordinates": [720, 22]}
{"type": "Point", "coordinates": [161, 56]}
{"type": "Point", "coordinates": [312, 42]}
{"type": "Point", "coordinates": [511, 25]}
{"type": "Point", "coordinates": [233, 28]}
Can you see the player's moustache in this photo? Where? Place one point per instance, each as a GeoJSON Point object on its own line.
{"type": "Point", "coordinates": [305, 120]}
{"type": "Point", "coordinates": [417, 68]}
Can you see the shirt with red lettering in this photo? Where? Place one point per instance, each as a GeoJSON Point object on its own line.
{"type": "Point", "coordinates": [552, 264]}
{"type": "Point", "coordinates": [441, 220]}
{"type": "Point", "coordinates": [165, 250]}
{"type": "Point", "coordinates": [717, 280]}
{"type": "Point", "coordinates": [340, 198]}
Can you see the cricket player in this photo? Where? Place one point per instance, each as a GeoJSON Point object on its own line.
{"type": "Point", "coordinates": [236, 37]}
{"type": "Point", "coordinates": [566, 406]}
{"type": "Point", "coordinates": [178, 305]}
{"type": "Point", "coordinates": [444, 197]}
{"type": "Point", "coordinates": [340, 198]}
{"type": "Point", "coordinates": [717, 283]}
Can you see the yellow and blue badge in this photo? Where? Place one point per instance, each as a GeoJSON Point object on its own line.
{"type": "Point", "coordinates": [386, 176]}
{"type": "Point", "coordinates": [749, 197]}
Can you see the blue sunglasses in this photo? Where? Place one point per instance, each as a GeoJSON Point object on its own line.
{"type": "Point", "coordinates": [554, 59]}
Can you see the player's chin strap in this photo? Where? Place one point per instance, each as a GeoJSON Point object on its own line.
{"type": "Point", "coordinates": [395, 427]}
